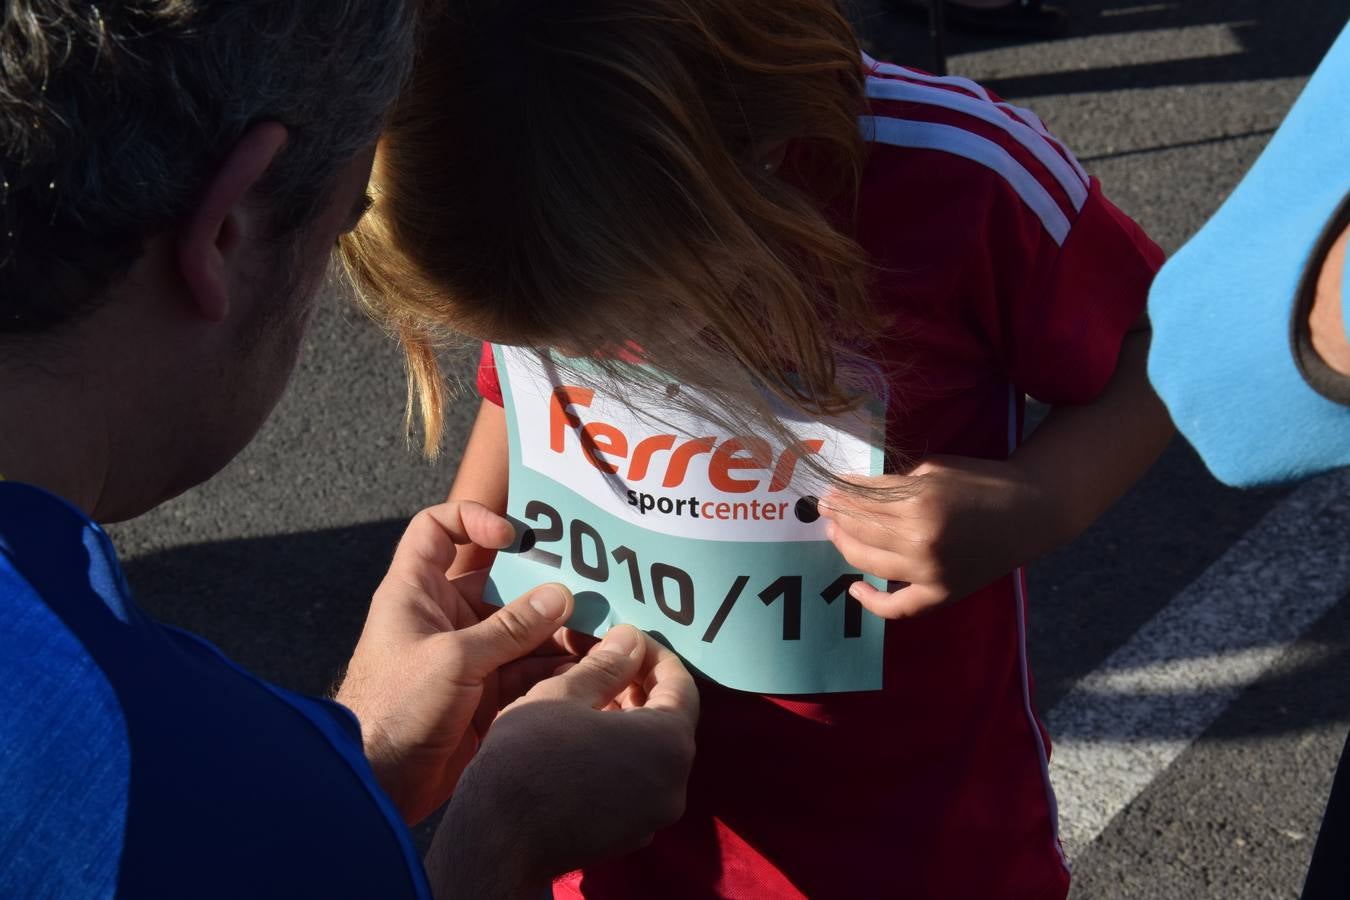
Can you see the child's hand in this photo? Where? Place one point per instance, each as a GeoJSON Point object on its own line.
{"type": "Point", "coordinates": [961, 524]}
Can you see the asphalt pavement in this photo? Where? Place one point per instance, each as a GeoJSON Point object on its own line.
{"type": "Point", "coordinates": [1191, 651]}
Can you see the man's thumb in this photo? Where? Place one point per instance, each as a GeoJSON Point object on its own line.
{"type": "Point", "coordinates": [513, 631]}
{"type": "Point", "coordinates": [610, 667]}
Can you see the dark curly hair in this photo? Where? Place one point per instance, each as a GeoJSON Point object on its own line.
{"type": "Point", "coordinates": [113, 113]}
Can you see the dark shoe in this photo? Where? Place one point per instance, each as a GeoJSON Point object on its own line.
{"type": "Point", "coordinates": [1026, 18]}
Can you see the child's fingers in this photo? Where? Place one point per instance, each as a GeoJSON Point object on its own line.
{"type": "Point", "coordinates": [904, 603]}
{"type": "Point", "coordinates": [866, 557]}
{"type": "Point", "coordinates": [877, 531]}
{"type": "Point", "coordinates": [901, 482]}
{"type": "Point", "coordinates": [838, 503]}
{"type": "Point", "coordinates": [902, 490]}
{"type": "Point", "coordinates": [888, 605]}
{"type": "Point", "coordinates": [877, 481]}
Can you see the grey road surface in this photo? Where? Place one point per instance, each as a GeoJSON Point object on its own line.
{"type": "Point", "coordinates": [1190, 650]}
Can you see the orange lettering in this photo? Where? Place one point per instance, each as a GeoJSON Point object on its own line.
{"type": "Point", "coordinates": [642, 454]}
{"type": "Point", "coordinates": [787, 462]}
{"type": "Point", "coordinates": [597, 438]}
{"type": "Point", "coordinates": [559, 417]}
{"type": "Point", "coordinates": [679, 460]}
{"type": "Point", "coordinates": [725, 460]}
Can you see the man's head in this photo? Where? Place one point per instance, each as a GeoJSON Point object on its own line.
{"type": "Point", "coordinates": [172, 178]}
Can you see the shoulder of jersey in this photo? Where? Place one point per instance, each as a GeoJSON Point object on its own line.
{"type": "Point", "coordinates": [957, 116]}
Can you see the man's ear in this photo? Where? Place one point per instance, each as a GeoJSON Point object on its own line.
{"type": "Point", "coordinates": [216, 229]}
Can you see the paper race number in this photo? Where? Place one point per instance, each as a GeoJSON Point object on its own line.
{"type": "Point", "coordinates": [705, 539]}
{"type": "Point", "coordinates": [672, 588]}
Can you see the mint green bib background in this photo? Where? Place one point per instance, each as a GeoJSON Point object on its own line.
{"type": "Point", "coordinates": [767, 617]}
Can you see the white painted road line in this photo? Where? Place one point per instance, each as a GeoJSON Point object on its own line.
{"type": "Point", "coordinates": [1122, 725]}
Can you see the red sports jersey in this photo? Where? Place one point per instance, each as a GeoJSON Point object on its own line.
{"type": "Point", "coordinates": [1006, 271]}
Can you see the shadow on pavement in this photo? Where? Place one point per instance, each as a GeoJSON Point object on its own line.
{"type": "Point", "coordinates": [1275, 40]}
{"type": "Point", "coordinates": [288, 608]}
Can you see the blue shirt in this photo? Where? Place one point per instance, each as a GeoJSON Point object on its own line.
{"type": "Point", "coordinates": [136, 760]}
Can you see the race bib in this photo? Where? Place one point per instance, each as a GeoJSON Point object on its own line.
{"type": "Point", "coordinates": [707, 540]}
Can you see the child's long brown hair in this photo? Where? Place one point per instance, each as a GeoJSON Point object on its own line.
{"type": "Point", "coordinates": [581, 175]}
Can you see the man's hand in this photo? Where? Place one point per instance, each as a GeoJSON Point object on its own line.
{"type": "Point", "coordinates": [425, 664]}
{"type": "Point", "coordinates": [957, 525]}
{"type": "Point", "coordinates": [586, 765]}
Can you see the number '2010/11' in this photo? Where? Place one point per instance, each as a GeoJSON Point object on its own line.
{"type": "Point", "coordinates": [672, 588]}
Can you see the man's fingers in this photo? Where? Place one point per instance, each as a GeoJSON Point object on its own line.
{"type": "Point", "coordinates": [633, 697]}
{"type": "Point", "coordinates": [647, 676]}
{"type": "Point", "coordinates": [484, 527]}
{"type": "Point", "coordinates": [578, 643]}
{"type": "Point", "coordinates": [471, 585]}
{"type": "Point", "coordinates": [603, 675]}
{"type": "Point", "coordinates": [668, 684]}
{"type": "Point", "coordinates": [513, 631]}
{"type": "Point", "coordinates": [427, 547]}
{"type": "Point", "coordinates": [515, 679]}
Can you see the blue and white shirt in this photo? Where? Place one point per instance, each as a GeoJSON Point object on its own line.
{"type": "Point", "coordinates": [137, 760]}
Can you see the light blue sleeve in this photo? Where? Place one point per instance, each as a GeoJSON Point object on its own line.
{"type": "Point", "coordinates": [1223, 307]}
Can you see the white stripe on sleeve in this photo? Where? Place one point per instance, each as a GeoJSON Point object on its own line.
{"type": "Point", "coordinates": [965, 84]}
{"type": "Point", "coordinates": [1020, 131]}
{"type": "Point", "coordinates": [1035, 122]}
{"type": "Point", "coordinates": [950, 139]}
